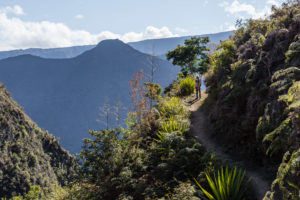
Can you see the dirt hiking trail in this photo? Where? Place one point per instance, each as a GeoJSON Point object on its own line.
{"type": "Point", "coordinates": [201, 129]}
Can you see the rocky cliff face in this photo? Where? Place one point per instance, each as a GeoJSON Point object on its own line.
{"type": "Point", "coordinates": [28, 155]}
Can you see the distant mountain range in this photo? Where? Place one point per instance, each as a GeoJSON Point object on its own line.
{"type": "Point", "coordinates": [65, 52]}
{"type": "Point", "coordinates": [64, 95]}
{"type": "Point", "coordinates": [62, 89]}
{"type": "Point", "coordinates": [160, 47]}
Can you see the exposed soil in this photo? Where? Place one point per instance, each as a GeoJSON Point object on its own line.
{"type": "Point", "coordinates": [201, 129]}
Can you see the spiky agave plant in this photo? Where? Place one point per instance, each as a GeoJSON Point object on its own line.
{"type": "Point", "coordinates": [226, 184]}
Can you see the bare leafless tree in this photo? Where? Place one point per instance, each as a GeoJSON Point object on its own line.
{"type": "Point", "coordinates": [153, 64]}
{"type": "Point", "coordinates": [105, 113]}
{"type": "Point", "coordinates": [117, 112]}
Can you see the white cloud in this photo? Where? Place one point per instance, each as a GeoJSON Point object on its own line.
{"type": "Point", "coordinates": [227, 27]}
{"type": "Point", "coordinates": [16, 10]}
{"type": "Point", "coordinates": [79, 16]}
{"type": "Point", "coordinates": [150, 33]}
{"type": "Point", "coordinates": [236, 8]}
{"type": "Point", "coordinates": [273, 2]}
{"type": "Point", "coordinates": [223, 4]}
{"type": "Point", "coordinates": [181, 30]}
{"type": "Point", "coordinates": [205, 3]}
{"type": "Point", "coordinates": [18, 34]}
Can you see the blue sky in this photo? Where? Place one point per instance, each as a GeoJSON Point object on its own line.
{"type": "Point", "coordinates": [58, 23]}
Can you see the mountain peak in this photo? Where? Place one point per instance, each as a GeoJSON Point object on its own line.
{"type": "Point", "coordinates": [111, 43]}
{"type": "Point", "coordinates": [110, 47]}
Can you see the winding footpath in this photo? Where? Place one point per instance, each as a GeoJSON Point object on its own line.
{"type": "Point", "coordinates": [201, 129]}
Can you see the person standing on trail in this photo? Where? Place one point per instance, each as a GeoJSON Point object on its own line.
{"type": "Point", "coordinates": [198, 87]}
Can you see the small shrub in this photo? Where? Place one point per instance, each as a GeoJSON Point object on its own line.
{"type": "Point", "coordinates": [171, 107]}
{"type": "Point", "coordinates": [187, 86]}
{"type": "Point", "coordinates": [174, 125]}
{"type": "Point", "coordinates": [35, 193]}
{"type": "Point", "coordinates": [184, 191]}
{"type": "Point", "coordinates": [153, 90]}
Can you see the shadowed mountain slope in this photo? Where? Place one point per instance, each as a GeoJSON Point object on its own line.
{"type": "Point", "coordinates": [28, 155]}
{"type": "Point", "coordinates": [64, 95]}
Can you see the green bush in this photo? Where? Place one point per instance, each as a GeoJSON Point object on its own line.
{"type": "Point", "coordinates": [153, 90]}
{"type": "Point", "coordinates": [184, 191]}
{"type": "Point", "coordinates": [286, 184]}
{"type": "Point", "coordinates": [35, 193]}
{"type": "Point", "coordinates": [172, 107]}
{"type": "Point", "coordinates": [187, 86]}
{"type": "Point", "coordinates": [174, 125]}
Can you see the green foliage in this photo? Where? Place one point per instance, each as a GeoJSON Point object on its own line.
{"type": "Point", "coordinates": [225, 55]}
{"type": "Point", "coordinates": [292, 98]}
{"type": "Point", "coordinates": [282, 17]}
{"type": "Point", "coordinates": [172, 106]}
{"type": "Point", "coordinates": [187, 86]}
{"type": "Point", "coordinates": [278, 132]}
{"type": "Point", "coordinates": [283, 79]}
{"type": "Point", "coordinates": [192, 57]}
{"type": "Point", "coordinates": [173, 125]}
{"type": "Point", "coordinates": [278, 138]}
{"type": "Point", "coordinates": [293, 54]}
{"type": "Point", "coordinates": [97, 154]}
{"type": "Point", "coordinates": [153, 90]}
{"type": "Point", "coordinates": [151, 159]}
{"type": "Point", "coordinates": [57, 193]}
{"type": "Point", "coordinates": [111, 165]}
{"type": "Point", "coordinates": [172, 89]}
{"type": "Point", "coordinates": [221, 61]}
{"type": "Point", "coordinates": [248, 77]}
{"type": "Point", "coordinates": [35, 193]}
{"type": "Point", "coordinates": [60, 193]}
{"type": "Point", "coordinates": [253, 87]}
{"type": "Point", "coordinates": [29, 156]}
{"type": "Point", "coordinates": [226, 184]}
{"type": "Point", "coordinates": [286, 184]}
{"type": "Point", "coordinates": [184, 191]}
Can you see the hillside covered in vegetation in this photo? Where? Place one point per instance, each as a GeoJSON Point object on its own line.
{"type": "Point", "coordinates": [252, 106]}
{"type": "Point", "coordinates": [29, 156]}
{"type": "Point", "coordinates": [253, 89]}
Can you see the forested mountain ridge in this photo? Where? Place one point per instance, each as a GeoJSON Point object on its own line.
{"type": "Point", "coordinates": [253, 95]}
{"type": "Point", "coordinates": [28, 155]}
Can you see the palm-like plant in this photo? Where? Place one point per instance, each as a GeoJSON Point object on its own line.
{"type": "Point", "coordinates": [226, 184]}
